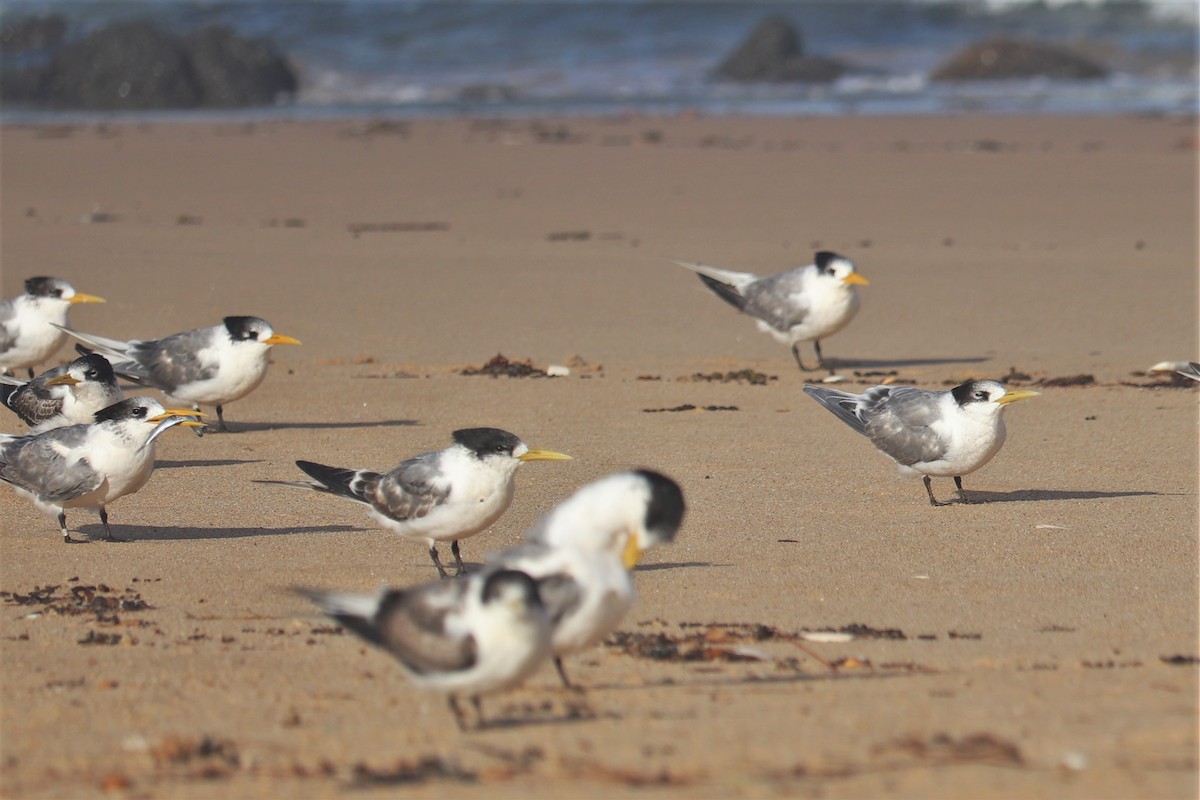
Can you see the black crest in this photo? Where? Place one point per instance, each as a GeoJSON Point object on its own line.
{"type": "Point", "coordinates": [129, 408]}
{"type": "Point", "coordinates": [242, 329]}
{"type": "Point", "coordinates": [487, 441]}
{"type": "Point", "coordinates": [665, 511]}
{"type": "Point", "coordinates": [500, 579]}
{"type": "Point", "coordinates": [971, 392]}
{"type": "Point", "coordinates": [96, 368]}
{"type": "Point", "coordinates": [42, 286]}
{"type": "Point", "coordinates": [824, 260]}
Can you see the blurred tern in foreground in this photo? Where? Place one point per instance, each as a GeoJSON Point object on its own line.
{"type": "Point", "coordinates": [582, 551]}
{"type": "Point", "coordinates": [1192, 370]}
{"type": "Point", "coordinates": [444, 496]}
{"type": "Point", "coordinates": [482, 633]}
{"type": "Point", "coordinates": [208, 366]}
{"type": "Point", "coordinates": [939, 434]}
{"type": "Point", "coordinates": [31, 323]}
{"type": "Point", "coordinates": [800, 305]}
{"type": "Point", "coordinates": [65, 395]}
{"type": "Point", "coordinates": [89, 466]}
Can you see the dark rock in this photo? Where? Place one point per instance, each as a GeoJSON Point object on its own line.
{"type": "Point", "coordinates": [32, 33]}
{"type": "Point", "coordinates": [123, 67]}
{"type": "Point", "coordinates": [774, 51]}
{"type": "Point", "coordinates": [232, 71]}
{"type": "Point", "coordinates": [1007, 59]}
{"type": "Point", "coordinates": [136, 66]}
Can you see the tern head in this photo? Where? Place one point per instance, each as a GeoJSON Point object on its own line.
{"type": "Point", "coordinates": [92, 368]}
{"type": "Point", "coordinates": [832, 265]}
{"type": "Point", "coordinates": [146, 409]}
{"type": "Point", "coordinates": [513, 590]}
{"type": "Point", "coordinates": [623, 515]}
{"type": "Point", "coordinates": [255, 329]}
{"type": "Point", "coordinates": [494, 443]}
{"type": "Point", "coordinates": [987, 396]}
{"type": "Point", "coordinates": [57, 290]}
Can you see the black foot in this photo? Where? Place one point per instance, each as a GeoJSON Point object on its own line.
{"type": "Point", "coordinates": [462, 568]}
{"type": "Point", "coordinates": [437, 562]}
{"type": "Point", "coordinates": [68, 540]}
{"type": "Point", "coordinates": [929, 491]}
{"type": "Point", "coordinates": [962, 495]}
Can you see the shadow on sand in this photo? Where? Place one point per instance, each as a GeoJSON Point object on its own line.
{"type": "Point", "coordinates": [1035, 495]}
{"type": "Point", "coordinates": [165, 533]}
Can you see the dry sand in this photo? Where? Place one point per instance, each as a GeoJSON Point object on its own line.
{"type": "Point", "coordinates": [1044, 640]}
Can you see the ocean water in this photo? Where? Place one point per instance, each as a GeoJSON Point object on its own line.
{"type": "Point", "coordinates": [598, 57]}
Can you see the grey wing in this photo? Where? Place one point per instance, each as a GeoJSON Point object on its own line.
{"type": "Point", "coordinates": [899, 421]}
{"type": "Point", "coordinates": [172, 361]}
{"type": "Point", "coordinates": [561, 594]}
{"type": "Point", "coordinates": [8, 333]}
{"type": "Point", "coordinates": [33, 402]}
{"type": "Point", "coordinates": [36, 463]}
{"type": "Point", "coordinates": [412, 489]}
{"type": "Point", "coordinates": [412, 626]}
{"type": "Point", "coordinates": [776, 300]}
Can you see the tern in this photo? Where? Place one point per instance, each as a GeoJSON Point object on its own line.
{"type": "Point", "coordinates": [89, 466]}
{"type": "Point", "coordinates": [443, 496]}
{"type": "Point", "coordinates": [800, 305]}
{"type": "Point", "coordinates": [582, 551]}
{"type": "Point", "coordinates": [483, 633]}
{"type": "Point", "coordinates": [928, 433]}
{"type": "Point", "coordinates": [31, 324]}
{"type": "Point", "coordinates": [208, 366]}
{"type": "Point", "coordinates": [70, 394]}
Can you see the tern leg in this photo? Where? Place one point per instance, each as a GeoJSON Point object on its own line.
{"type": "Point", "coordinates": [458, 712]}
{"type": "Point", "coordinates": [799, 361]}
{"type": "Point", "coordinates": [62, 525]}
{"type": "Point", "coordinates": [462, 570]}
{"type": "Point", "coordinates": [108, 537]}
{"type": "Point", "coordinates": [480, 721]}
{"type": "Point", "coordinates": [820, 358]}
{"type": "Point", "coordinates": [220, 419]}
{"type": "Point", "coordinates": [929, 490]}
{"type": "Point", "coordinates": [962, 495]}
{"type": "Point", "coordinates": [562, 673]}
{"type": "Point", "coordinates": [437, 562]}
{"type": "Point", "coordinates": [31, 373]}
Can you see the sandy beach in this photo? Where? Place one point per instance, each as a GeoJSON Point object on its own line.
{"type": "Point", "coordinates": [1041, 642]}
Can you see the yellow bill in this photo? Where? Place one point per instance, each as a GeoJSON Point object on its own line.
{"type": "Point", "coordinates": [279, 338]}
{"type": "Point", "coordinates": [66, 379]}
{"type": "Point", "coordinates": [855, 278]}
{"type": "Point", "coordinates": [543, 455]}
{"type": "Point", "coordinates": [1017, 394]}
{"type": "Point", "coordinates": [80, 297]}
{"type": "Point", "coordinates": [633, 551]}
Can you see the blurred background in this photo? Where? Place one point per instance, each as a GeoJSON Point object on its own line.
{"type": "Point", "coordinates": [592, 57]}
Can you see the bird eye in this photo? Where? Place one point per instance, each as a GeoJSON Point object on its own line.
{"type": "Point", "coordinates": [139, 412]}
{"type": "Point", "coordinates": [91, 373]}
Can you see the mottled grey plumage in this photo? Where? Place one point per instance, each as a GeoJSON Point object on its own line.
{"type": "Point", "coordinates": [37, 464]}
{"type": "Point", "coordinates": [775, 299]}
{"type": "Point", "coordinates": [409, 491]}
{"type": "Point", "coordinates": [170, 362]}
{"type": "Point", "coordinates": [897, 420]}
{"type": "Point", "coordinates": [63, 395]}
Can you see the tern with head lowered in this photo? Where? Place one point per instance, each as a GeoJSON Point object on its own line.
{"type": "Point", "coordinates": [89, 466]}
{"type": "Point", "coordinates": [70, 394]}
{"type": "Point", "coordinates": [932, 434]}
{"type": "Point", "coordinates": [582, 551]}
{"type": "Point", "coordinates": [31, 324]}
{"type": "Point", "coordinates": [482, 633]}
{"type": "Point", "coordinates": [443, 496]}
{"type": "Point", "coordinates": [805, 304]}
{"type": "Point", "coordinates": [208, 366]}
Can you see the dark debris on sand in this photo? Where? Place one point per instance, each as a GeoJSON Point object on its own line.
{"type": "Point", "coordinates": [499, 365]}
{"type": "Point", "coordinates": [739, 376]}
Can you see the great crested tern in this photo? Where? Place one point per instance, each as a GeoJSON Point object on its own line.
{"type": "Point", "coordinates": [482, 633]}
{"type": "Point", "coordinates": [69, 394]}
{"type": "Point", "coordinates": [928, 433]}
{"type": "Point", "coordinates": [30, 323]}
{"type": "Point", "coordinates": [581, 553]}
{"type": "Point", "coordinates": [444, 496]}
{"type": "Point", "coordinates": [89, 466]}
{"type": "Point", "coordinates": [208, 366]}
{"type": "Point", "coordinates": [800, 305]}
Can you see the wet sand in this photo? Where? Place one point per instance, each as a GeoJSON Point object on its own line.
{"type": "Point", "coordinates": [1041, 642]}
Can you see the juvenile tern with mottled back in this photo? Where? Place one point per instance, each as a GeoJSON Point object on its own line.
{"type": "Point", "coordinates": [928, 433]}
{"type": "Point", "coordinates": [800, 305]}
{"type": "Point", "coordinates": [582, 551]}
{"type": "Point", "coordinates": [443, 496]}
{"type": "Point", "coordinates": [482, 633]}
{"type": "Point", "coordinates": [208, 366]}
{"type": "Point", "coordinates": [69, 394]}
{"type": "Point", "coordinates": [89, 466]}
{"type": "Point", "coordinates": [31, 324]}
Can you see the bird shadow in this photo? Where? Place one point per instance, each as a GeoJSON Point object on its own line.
{"type": "Point", "coordinates": [885, 363]}
{"type": "Point", "coordinates": [206, 462]}
{"type": "Point", "coordinates": [1035, 495]}
{"type": "Point", "coordinates": [249, 427]}
{"type": "Point", "coordinates": [163, 533]}
{"type": "Point", "coordinates": [677, 565]}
